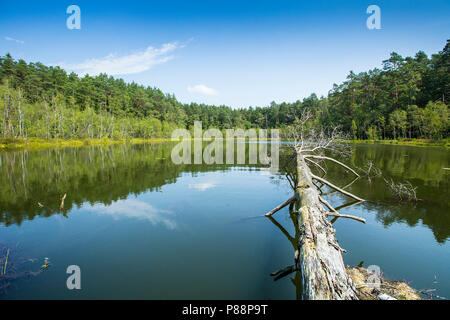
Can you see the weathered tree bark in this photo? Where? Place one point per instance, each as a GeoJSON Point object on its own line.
{"type": "Point", "coordinates": [320, 257]}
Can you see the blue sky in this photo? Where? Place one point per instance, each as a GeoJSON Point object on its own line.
{"type": "Point", "coordinates": [237, 53]}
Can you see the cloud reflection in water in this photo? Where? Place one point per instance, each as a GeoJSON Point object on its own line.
{"type": "Point", "coordinates": [132, 208]}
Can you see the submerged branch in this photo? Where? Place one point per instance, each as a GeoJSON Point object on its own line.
{"type": "Point", "coordinates": [346, 205]}
{"type": "Point", "coordinates": [283, 272]}
{"type": "Point", "coordinates": [402, 190]}
{"type": "Point", "coordinates": [61, 206]}
{"type": "Point", "coordinates": [281, 206]}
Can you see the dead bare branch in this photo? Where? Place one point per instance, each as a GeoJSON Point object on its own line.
{"type": "Point", "coordinates": [348, 185]}
{"type": "Point", "coordinates": [283, 272]}
{"type": "Point", "coordinates": [404, 191]}
{"type": "Point", "coordinates": [61, 206]}
{"type": "Point", "coordinates": [317, 165]}
{"type": "Point", "coordinates": [348, 205]}
{"type": "Point", "coordinates": [307, 137]}
{"type": "Point", "coordinates": [281, 206]}
{"type": "Point", "coordinates": [336, 188]}
{"type": "Point", "coordinates": [307, 156]}
{"type": "Point", "coordinates": [370, 170]}
{"type": "Point", "coordinates": [337, 214]}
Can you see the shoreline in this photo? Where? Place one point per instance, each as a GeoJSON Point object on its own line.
{"type": "Point", "coordinates": [380, 288]}
{"type": "Point", "coordinates": [11, 144]}
{"type": "Point", "coordinates": [405, 142]}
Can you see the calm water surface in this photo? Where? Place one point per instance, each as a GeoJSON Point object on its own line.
{"type": "Point", "coordinates": [141, 227]}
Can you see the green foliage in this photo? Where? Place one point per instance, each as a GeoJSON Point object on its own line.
{"type": "Point", "coordinates": [394, 100]}
{"type": "Point", "coordinates": [354, 129]}
{"type": "Point", "coordinates": [436, 120]}
{"type": "Point", "coordinates": [407, 98]}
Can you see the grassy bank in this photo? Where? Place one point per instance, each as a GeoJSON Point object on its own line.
{"type": "Point", "coordinates": [36, 143]}
{"type": "Point", "coordinates": [408, 142]}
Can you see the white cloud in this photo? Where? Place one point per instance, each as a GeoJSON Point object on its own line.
{"type": "Point", "coordinates": [202, 186]}
{"type": "Point", "coordinates": [130, 64]}
{"type": "Point", "coordinates": [202, 89]}
{"type": "Point", "coordinates": [15, 40]}
{"type": "Point", "coordinates": [132, 208]}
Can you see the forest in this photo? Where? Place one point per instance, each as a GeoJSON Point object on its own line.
{"type": "Point", "coordinates": [407, 98]}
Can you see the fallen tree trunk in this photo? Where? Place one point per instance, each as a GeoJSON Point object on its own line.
{"type": "Point", "coordinates": [318, 255]}
{"type": "Point", "coordinates": [324, 276]}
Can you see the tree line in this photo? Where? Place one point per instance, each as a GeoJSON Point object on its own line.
{"type": "Point", "coordinates": [406, 98]}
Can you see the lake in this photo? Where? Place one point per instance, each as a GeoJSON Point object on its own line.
{"type": "Point", "coordinates": [141, 227]}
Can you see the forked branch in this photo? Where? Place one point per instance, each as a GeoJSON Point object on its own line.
{"type": "Point", "coordinates": [351, 195]}
{"type": "Point", "coordinates": [317, 165]}
{"type": "Point", "coordinates": [333, 160]}
{"type": "Point", "coordinates": [337, 214]}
